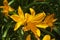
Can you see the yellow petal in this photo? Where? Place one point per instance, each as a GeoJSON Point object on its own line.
{"type": "Point", "coordinates": [16, 18]}
{"type": "Point", "coordinates": [46, 37]}
{"type": "Point", "coordinates": [32, 12]}
{"type": "Point", "coordinates": [42, 26]}
{"type": "Point", "coordinates": [40, 16]}
{"type": "Point", "coordinates": [49, 18]}
{"type": "Point", "coordinates": [11, 9]}
{"type": "Point", "coordinates": [28, 17]}
{"type": "Point", "coordinates": [28, 37]}
{"type": "Point", "coordinates": [5, 2]}
{"type": "Point", "coordinates": [18, 24]}
{"type": "Point", "coordinates": [20, 12]}
{"type": "Point", "coordinates": [54, 20]}
{"type": "Point", "coordinates": [38, 32]}
{"type": "Point", "coordinates": [1, 6]}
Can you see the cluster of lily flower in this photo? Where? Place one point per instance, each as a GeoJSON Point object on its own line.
{"type": "Point", "coordinates": [31, 21]}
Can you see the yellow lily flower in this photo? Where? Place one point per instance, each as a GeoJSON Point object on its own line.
{"type": "Point", "coordinates": [31, 22]}
{"type": "Point", "coordinates": [18, 18]}
{"type": "Point", "coordinates": [48, 22]}
{"type": "Point", "coordinates": [47, 37]}
{"type": "Point", "coordinates": [6, 8]}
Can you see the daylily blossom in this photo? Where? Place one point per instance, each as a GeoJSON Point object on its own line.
{"type": "Point", "coordinates": [6, 8]}
{"type": "Point", "coordinates": [32, 21]}
{"type": "Point", "coordinates": [29, 21]}
{"type": "Point", "coordinates": [47, 37]}
{"type": "Point", "coordinates": [48, 22]}
{"type": "Point", "coordinates": [18, 18]}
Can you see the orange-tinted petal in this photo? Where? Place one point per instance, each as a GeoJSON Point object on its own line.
{"type": "Point", "coordinates": [48, 18]}
{"type": "Point", "coordinates": [28, 37]}
{"type": "Point", "coordinates": [16, 18]}
{"type": "Point", "coordinates": [5, 2]}
{"type": "Point", "coordinates": [26, 28]}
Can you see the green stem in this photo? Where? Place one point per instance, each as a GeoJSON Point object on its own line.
{"type": "Point", "coordinates": [35, 3]}
{"type": "Point", "coordinates": [47, 32]}
{"type": "Point", "coordinates": [3, 38]}
{"type": "Point", "coordinates": [10, 2]}
{"type": "Point", "coordinates": [6, 31]}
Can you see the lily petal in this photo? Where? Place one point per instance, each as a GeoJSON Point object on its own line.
{"type": "Point", "coordinates": [42, 26]}
{"type": "Point", "coordinates": [32, 12]}
{"type": "Point", "coordinates": [18, 24]}
{"type": "Point", "coordinates": [20, 12]}
{"type": "Point", "coordinates": [38, 32]}
{"type": "Point", "coordinates": [26, 28]}
{"type": "Point", "coordinates": [11, 9]}
{"type": "Point", "coordinates": [40, 16]}
{"type": "Point", "coordinates": [46, 37]}
{"type": "Point", "coordinates": [48, 18]}
{"type": "Point", "coordinates": [27, 15]}
{"type": "Point", "coordinates": [28, 37]}
{"type": "Point", "coordinates": [16, 18]}
{"type": "Point", "coordinates": [5, 2]}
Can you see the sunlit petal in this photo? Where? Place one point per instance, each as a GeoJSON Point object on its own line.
{"type": "Point", "coordinates": [27, 15]}
{"type": "Point", "coordinates": [38, 32]}
{"type": "Point", "coordinates": [11, 9]}
{"type": "Point", "coordinates": [40, 16]}
{"type": "Point", "coordinates": [16, 18]}
{"type": "Point", "coordinates": [46, 37]}
{"type": "Point", "coordinates": [17, 25]}
{"type": "Point", "coordinates": [20, 12]}
{"type": "Point", "coordinates": [42, 26]}
{"type": "Point", "coordinates": [32, 12]}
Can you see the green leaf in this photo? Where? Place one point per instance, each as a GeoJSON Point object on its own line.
{"type": "Point", "coordinates": [57, 30]}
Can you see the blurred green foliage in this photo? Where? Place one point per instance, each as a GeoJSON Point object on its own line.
{"type": "Point", "coordinates": [48, 6]}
